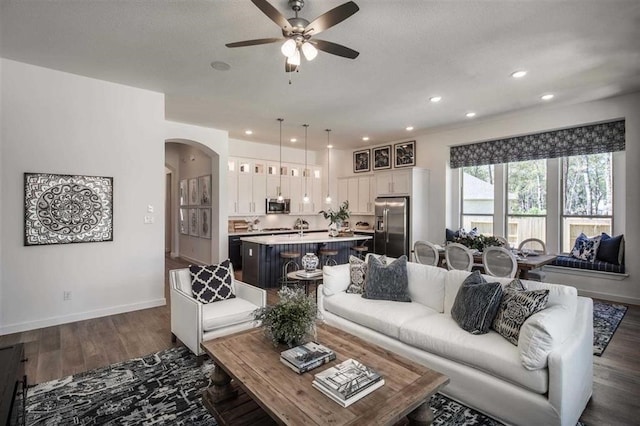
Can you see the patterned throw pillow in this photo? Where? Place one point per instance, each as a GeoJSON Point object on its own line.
{"type": "Point", "coordinates": [212, 283]}
{"type": "Point", "coordinates": [517, 305]}
{"type": "Point", "coordinates": [357, 272]}
{"type": "Point", "coordinates": [387, 282]}
{"type": "Point", "coordinates": [476, 304]}
{"type": "Point", "coordinates": [586, 248]}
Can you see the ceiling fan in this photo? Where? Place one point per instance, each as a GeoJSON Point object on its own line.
{"type": "Point", "coordinates": [298, 32]}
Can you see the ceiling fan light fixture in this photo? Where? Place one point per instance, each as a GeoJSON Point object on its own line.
{"type": "Point", "coordinates": [309, 50]}
{"type": "Point", "coordinates": [294, 59]}
{"type": "Point", "coordinates": [289, 48]}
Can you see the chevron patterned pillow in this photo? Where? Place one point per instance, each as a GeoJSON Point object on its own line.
{"type": "Point", "coordinates": [212, 283]}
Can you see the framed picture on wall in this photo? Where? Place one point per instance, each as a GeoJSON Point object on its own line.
{"type": "Point", "coordinates": [64, 209]}
{"type": "Point", "coordinates": [193, 223]}
{"type": "Point", "coordinates": [204, 190]}
{"type": "Point", "coordinates": [405, 154]}
{"type": "Point", "coordinates": [194, 200]}
{"type": "Point", "coordinates": [205, 223]}
{"type": "Point", "coordinates": [184, 221]}
{"type": "Point", "coordinates": [184, 192]}
{"type": "Point", "coordinates": [382, 157]}
{"type": "Point", "coordinates": [361, 161]}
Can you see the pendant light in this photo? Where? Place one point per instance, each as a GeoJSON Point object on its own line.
{"type": "Point", "coordinates": [328, 199]}
{"type": "Point", "coordinates": [305, 199]}
{"type": "Point", "coordinates": [280, 197]}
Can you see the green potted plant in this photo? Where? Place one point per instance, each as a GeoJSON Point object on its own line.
{"type": "Point", "coordinates": [291, 321]}
{"type": "Point", "coordinates": [336, 217]}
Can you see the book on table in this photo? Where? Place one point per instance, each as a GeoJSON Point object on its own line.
{"type": "Point", "coordinates": [347, 382]}
{"type": "Point", "coordinates": [309, 274]}
{"type": "Point", "coordinates": [306, 357]}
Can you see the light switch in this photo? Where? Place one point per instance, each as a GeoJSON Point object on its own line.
{"type": "Point", "coordinates": [150, 208]}
{"type": "Point", "coordinates": [148, 219]}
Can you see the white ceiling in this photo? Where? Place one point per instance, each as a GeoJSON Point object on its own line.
{"type": "Point", "coordinates": [409, 50]}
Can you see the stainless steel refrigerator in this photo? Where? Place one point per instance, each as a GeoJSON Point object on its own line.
{"type": "Point", "coordinates": [391, 235]}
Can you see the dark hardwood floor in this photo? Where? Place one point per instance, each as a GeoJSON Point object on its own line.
{"type": "Point", "coordinates": [59, 351]}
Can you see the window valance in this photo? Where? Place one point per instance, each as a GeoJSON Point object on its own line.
{"type": "Point", "coordinates": [591, 139]}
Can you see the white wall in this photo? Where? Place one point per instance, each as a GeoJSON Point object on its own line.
{"type": "Point", "coordinates": [62, 123]}
{"type": "Point", "coordinates": [432, 152]}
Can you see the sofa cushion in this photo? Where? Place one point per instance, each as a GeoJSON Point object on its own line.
{"type": "Point", "coordinates": [387, 282]}
{"type": "Point", "coordinates": [452, 283]}
{"type": "Point", "coordinates": [357, 274]}
{"type": "Point", "coordinates": [426, 285]}
{"type": "Point", "coordinates": [476, 304]}
{"type": "Point", "coordinates": [382, 316]}
{"type": "Point", "coordinates": [227, 313]}
{"type": "Point", "coordinates": [597, 265]}
{"type": "Point", "coordinates": [212, 283]}
{"type": "Point", "coordinates": [335, 279]}
{"type": "Point", "coordinates": [516, 306]}
{"type": "Point", "coordinates": [440, 335]}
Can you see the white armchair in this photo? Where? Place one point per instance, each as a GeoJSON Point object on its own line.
{"type": "Point", "coordinates": [194, 322]}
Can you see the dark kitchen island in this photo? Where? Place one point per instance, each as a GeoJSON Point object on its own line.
{"type": "Point", "coordinates": [261, 263]}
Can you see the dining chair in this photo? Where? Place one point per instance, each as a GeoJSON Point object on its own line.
{"type": "Point", "coordinates": [499, 262]}
{"type": "Point", "coordinates": [539, 247]}
{"type": "Point", "coordinates": [426, 253]}
{"type": "Point", "coordinates": [459, 257]}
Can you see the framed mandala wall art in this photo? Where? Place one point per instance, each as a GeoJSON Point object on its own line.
{"type": "Point", "coordinates": [63, 209]}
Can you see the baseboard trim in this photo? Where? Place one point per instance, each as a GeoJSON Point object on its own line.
{"type": "Point", "coordinates": [80, 316]}
{"type": "Point", "coordinates": [609, 297]}
{"type": "Point", "coordinates": [193, 260]}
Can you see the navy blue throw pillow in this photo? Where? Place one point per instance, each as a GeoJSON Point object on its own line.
{"type": "Point", "coordinates": [476, 304]}
{"type": "Point", "coordinates": [611, 249]}
{"type": "Point", "coordinates": [451, 235]}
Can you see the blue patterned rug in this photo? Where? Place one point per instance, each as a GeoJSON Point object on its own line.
{"type": "Point", "coordinates": [161, 389]}
{"type": "Point", "coordinates": [606, 319]}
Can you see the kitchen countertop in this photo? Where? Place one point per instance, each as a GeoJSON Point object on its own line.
{"type": "Point", "coordinates": [317, 237]}
{"type": "Point", "coordinates": [289, 231]}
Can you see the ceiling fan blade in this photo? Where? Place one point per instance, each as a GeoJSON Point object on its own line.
{"type": "Point", "coordinates": [289, 67]}
{"type": "Point", "coordinates": [331, 18]}
{"type": "Point", "coordinates": [335, 48]}
{"type": "Point", "coordinates": [272, 13]}
{"type": "Point", "coordinates": [253, 42]}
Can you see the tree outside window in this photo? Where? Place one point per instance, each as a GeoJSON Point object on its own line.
{"type": "Point", "coordinates": [527, 200]}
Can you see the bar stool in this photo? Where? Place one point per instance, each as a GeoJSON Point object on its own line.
{"type": "Point", "coordinates": [289, 264]}
{"type": "Point", "coordinates": [327, 254]}
{"type": "Point", "coordinates": [360, 251]}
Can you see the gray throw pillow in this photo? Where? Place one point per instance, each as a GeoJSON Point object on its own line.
{"type": "Point", "coordinates": [517, 305]}
{"type": "Point", "coordinates": [476, 304]}
{"type": "Point", "coordinates": [387, 282]}
{"type": "Point", "coordinates": [357, 272]}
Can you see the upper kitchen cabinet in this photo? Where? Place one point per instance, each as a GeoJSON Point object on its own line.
{"type": "Point", "coordinates": [358, 191]}
{"type": "Point", "coordinates": [397, 182]}
{"type": "Point", "coordinates": [251, 188]}
{"type": "Point", "coordinates": [303, 182]}
{"type": "Point", "coordinates": [278, 180]}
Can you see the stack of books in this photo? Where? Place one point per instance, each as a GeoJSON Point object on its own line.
{"type": "Point", "coordinates": [347, 382]}
{"type": "Point", "coordinates": [306, 357]}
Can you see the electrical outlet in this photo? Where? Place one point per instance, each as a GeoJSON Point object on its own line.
{"type": "Point", "coordinates": [66, 295]}
{"type": "Point", "coordinates": [148, 219]}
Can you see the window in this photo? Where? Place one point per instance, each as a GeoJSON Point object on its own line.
{"type": "Point", "coordinates": [478, 196]}
{"type": "Point", "coordinates": [587, 196]}
{"type": "Point", "coordinates": [526, 201]}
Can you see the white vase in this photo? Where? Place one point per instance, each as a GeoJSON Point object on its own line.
{"type": "Point", "coordinates": [309, 262]}
{"type": "Point", "coordinates": [334, 229]}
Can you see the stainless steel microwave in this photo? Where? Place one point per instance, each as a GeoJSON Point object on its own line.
{"type": "Point", "coordinates": [275, 206]}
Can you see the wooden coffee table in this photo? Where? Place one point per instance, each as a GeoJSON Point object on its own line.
{"type": "Point", "coordinates": [251, 386]}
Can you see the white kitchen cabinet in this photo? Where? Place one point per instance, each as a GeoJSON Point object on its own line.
{"type": "Point", "coordinates": [397, 182]}
{"type": "Point", "coordinates": [232, 187]}
{"type": "Point", "coordinates": [251, 188]}
{"type": "Point", "coordinates": [357, 190]}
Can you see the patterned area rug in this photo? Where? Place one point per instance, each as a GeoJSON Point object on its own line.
{"type": "Point", "coordinates": [606, 319]}
{"type": "Point", "coordinates": [162, 389]}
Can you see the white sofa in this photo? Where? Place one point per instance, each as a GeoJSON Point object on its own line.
{"type": "Point", "coordinates": [193, 322]}
{"type": "Point", "coordinates": [486, 371]}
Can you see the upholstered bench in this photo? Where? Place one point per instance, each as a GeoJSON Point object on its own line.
{"type": "Point", "coordinates": [597, 265]}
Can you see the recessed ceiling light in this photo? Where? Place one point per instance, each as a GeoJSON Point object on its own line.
{"type": "Point", "coordinates": [294, 140]}
{"type": "Point", "coordinates": [518, 74]}
{"type": "Point", "coordinates": [547, 97]}
{"type": "Point", "coordinates": [365, 138]}
{"type": "Point", "coordinates": [435, 99]}
{"type": "Point", "coordinates": [470, 114]}
{"type": "Point", "coordinates": [248, 132]}
{"type": "Point", "coordinates": [329, 146]}
{"type": "Point", "coordinates": [409, 128]}
{"type": "Point", "coordinates": [220, 66]}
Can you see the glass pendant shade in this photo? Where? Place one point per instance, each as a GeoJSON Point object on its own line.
{"type": "Point", "coordinates": [294, 59]}
{"type": "Point", "coordinates": [288, 48]}
{"type": "Point", "coordinates": [309, 51]}
{"type": "Point", "coordinates": [305, 199]}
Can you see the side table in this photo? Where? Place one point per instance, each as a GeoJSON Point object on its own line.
{"type": "Point", "coordinates": [306, 280]}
